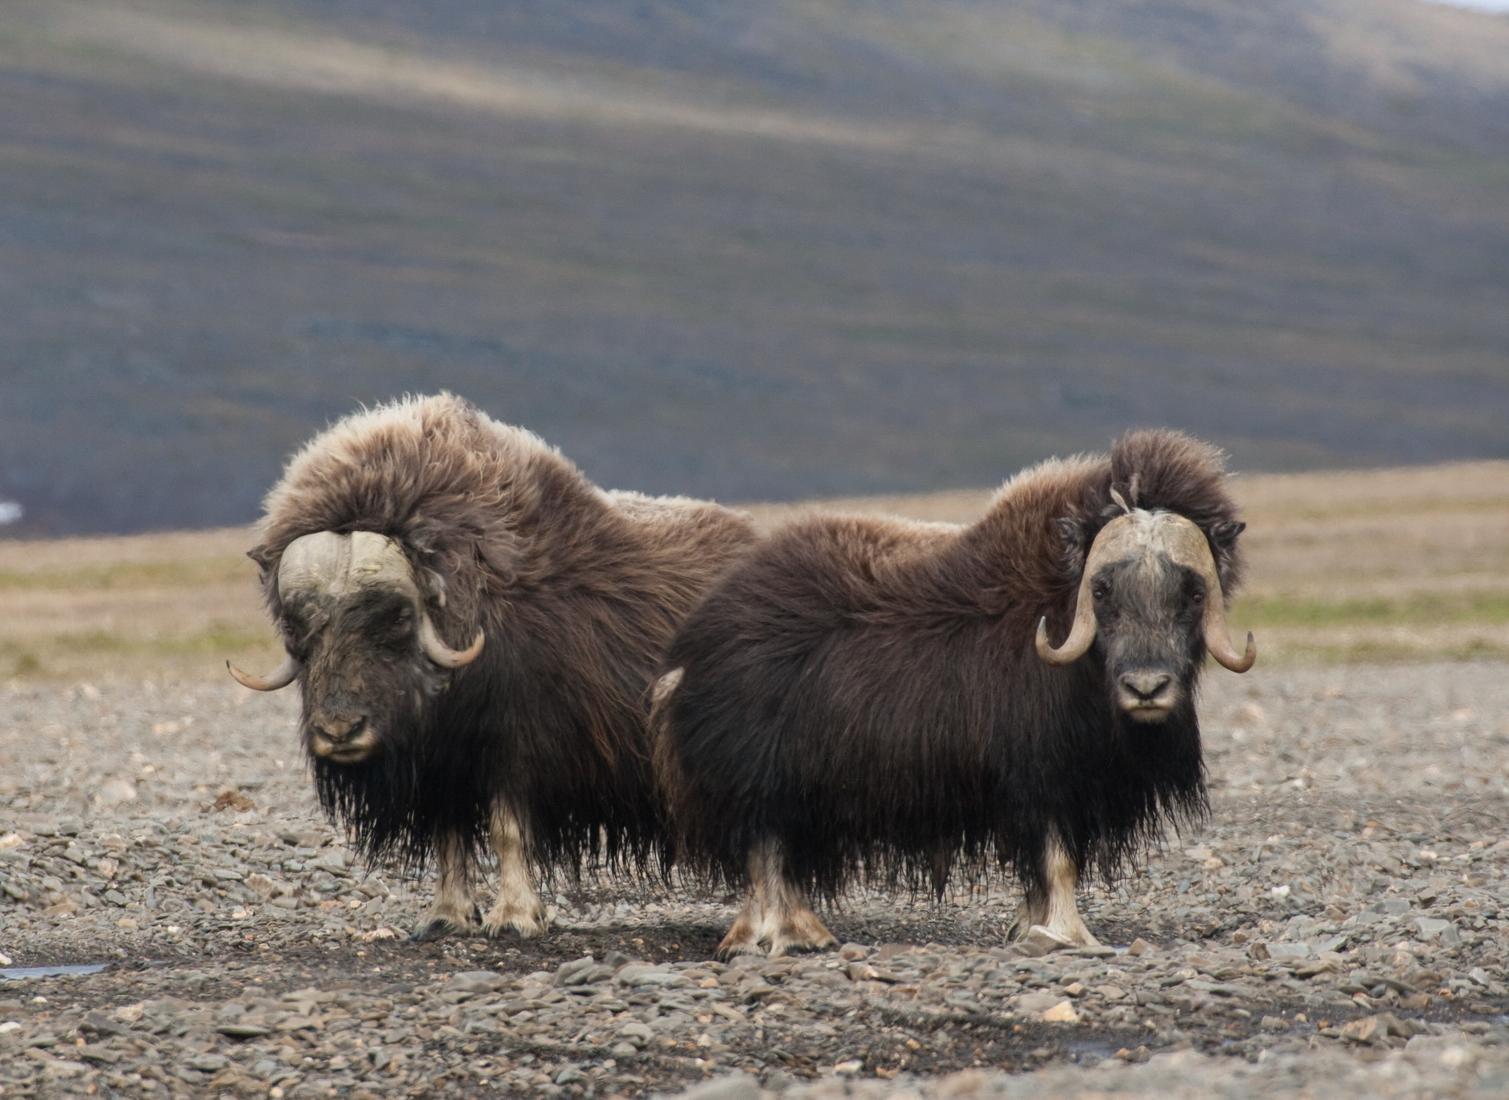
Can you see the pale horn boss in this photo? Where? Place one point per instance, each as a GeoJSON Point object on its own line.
{"type": "Point", "coordinates": [355, 626]}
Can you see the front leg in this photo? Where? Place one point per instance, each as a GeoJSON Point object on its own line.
{"type": "Point", "coordinates": [453, 909]}
{"type": "Point", "coordinates": [776, 918]}
{"type": "Point", "coordinates": [1050, 903]}
{"type": "Point", "coordinates": [517, 907]}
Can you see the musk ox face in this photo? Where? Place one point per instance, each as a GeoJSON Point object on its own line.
{"type": "Point", "coordinates": [1150, 597]}
{"type": "Point", "coordinates": [360, 641]}
{"type": "Point", "coordinates": [364, 677]}
{"type": "Point", "coordinates": [1150, 617]}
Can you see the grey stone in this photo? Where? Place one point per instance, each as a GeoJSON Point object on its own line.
{"type": "Point", "coordinates": [1032, 1004]}
{"type": "Point", "coordinates": [642, 974]}
{"type": "Point", "coordinates": [243, 1030]}
{"type": "Point", "coordinates": [476, 981]}
{"type": "Point", "coordinates": [738, 1086]}
{"type": "Point", "coordinates": [1436, 929]}
{"type": "Point", "coordinates": [636, 1032]}
{"type": "Point", "coordinates": [1039, 941]}
{"type": "Point", "coordinates": [1280, 951]}
{"type": "Point", "coordinates": [331, 859]}
{"type": "Point", "coordinates": [569, 973]}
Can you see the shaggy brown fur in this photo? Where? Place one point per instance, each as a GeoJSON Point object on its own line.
{"type": "Point", "coordinates": [864, 694]}
{"type": "Point", "coordinates": [577, 590]}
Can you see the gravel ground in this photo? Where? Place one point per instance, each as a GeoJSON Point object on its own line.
{"type": "Point", "coordinates": [1340, 928]}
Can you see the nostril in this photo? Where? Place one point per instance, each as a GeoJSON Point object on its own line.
{"type": "Point", "coordinates": [1146, 686]}
{"type": "Point", "coordinates": [337, 730]}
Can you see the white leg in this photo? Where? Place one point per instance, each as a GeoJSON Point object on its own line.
{"type": "Point", "coordinates": [776, 918]}
{"type": "Point", "coordinates": [1051, 904]}
{"type": "Point", "coordinates": [517, 907]}
{"type": "Point", "coordinates": [453, 909]}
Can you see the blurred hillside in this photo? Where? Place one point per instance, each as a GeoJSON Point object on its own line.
{"type": "Point", "coordinates": [774, 251]}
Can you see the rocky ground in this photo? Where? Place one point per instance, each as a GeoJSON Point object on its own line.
{"type": "Point", "coordinates": [1340, 928]}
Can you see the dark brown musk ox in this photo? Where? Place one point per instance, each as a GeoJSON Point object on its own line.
{"type": "Point", "coordinates": [474, 627]}
{"type": "Point", "coordinates": [879, 699]}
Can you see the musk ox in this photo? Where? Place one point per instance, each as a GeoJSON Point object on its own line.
{"type": "Point", "coordinates": [878, 698]}
{"type": "Point", "coordinates": [474, 627]}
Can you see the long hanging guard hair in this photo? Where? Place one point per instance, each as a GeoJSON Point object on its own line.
{"type": "Point", "coordinates": [866, 692]}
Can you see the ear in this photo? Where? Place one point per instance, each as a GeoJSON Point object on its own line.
{"type": "Point", "coordinates": [1223, 541]}
{"type": "Point", "coordinates": [432, 587]}
{"type": "Point", "coordinates": [1224, 534]}
{"type": "Point", "coordinates": [1074, 543]}
{"type": "Point", "coordinates": [264, 557]}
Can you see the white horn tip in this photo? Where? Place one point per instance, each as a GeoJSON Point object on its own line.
{"type": "Point", "coordinates": [1043, 646]}
{"type": "Point", "coordinates": [442, 654]}
{"type": "Point", "coordinates": [1229, 659]}
{"type": "Point", "coordinates": [281, 678]}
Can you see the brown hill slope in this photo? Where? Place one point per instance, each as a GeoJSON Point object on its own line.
{"type": "Point", "coordinates": [758, 251]}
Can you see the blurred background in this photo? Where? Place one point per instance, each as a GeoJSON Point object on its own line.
{"type": "Point", "coordinates": [754, 251]}
{"type": "Point", "coordinates": [776, 252]}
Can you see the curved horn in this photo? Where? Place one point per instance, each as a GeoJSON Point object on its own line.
{"type": "Point", "coordinates": [442, 654]}
{"type": "Point", "coordinates": [1218, 640]}
{"type": "Point", "coordinates": [1188, 544]}
{"type": "Point", "coordinates": [1081, 634]}
{"type": "Point", "coordinates": [1113, 541]}
{"type": "Point", "coordinates": [280, 677]}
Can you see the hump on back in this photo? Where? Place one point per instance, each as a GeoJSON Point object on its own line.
{"type": "Point", "coordinates": [474, 628]}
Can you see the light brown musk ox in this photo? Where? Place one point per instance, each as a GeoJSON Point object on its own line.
{"type": "Point", "coordinates": [880, 699]}
{"type": "Point", "coordinates": [474, 626]}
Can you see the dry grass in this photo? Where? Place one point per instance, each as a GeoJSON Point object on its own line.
{"type": "Point", "coordinates": [178, 603]}
{"type": "Point", "coordinates": [1374, 565]}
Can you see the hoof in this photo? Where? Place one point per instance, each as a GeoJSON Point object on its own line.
{"type": "Point", "coordinates": [727, 951]}
{"type": "Point", "coordinates": [526, 926]}
{"type": "Point", "coordinates": [439, 927]}
{"type": "Point", "coordinates": [1019, 924]}
{"type": "Point", "coordinates": [775, 946]}
{"type": "Point", "coordinates": [1039, 939]}
{"type": "Point", "coordinates": [436, 929]}
{"type": "Point", "coordinates": [803, 946]}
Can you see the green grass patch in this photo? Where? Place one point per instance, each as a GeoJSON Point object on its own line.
{"type": "Point", "coordinates": [126, 575]}
{"type": "Point", "coordinates": [62, 654]}
{"type": "Point", "coordinates": [1384, 653]}
{"type": "Point", "coordinates": [1418, 609]}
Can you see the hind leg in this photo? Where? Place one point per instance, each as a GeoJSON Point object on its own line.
{"type": "Point", "coordinates": [776, 917]}
{"type": "Point", "coordinates": [517, 907]}
{"type": "Point", "coordinates": [453, 909]}
{"type": "Point", "coordinates": [1050, 903]}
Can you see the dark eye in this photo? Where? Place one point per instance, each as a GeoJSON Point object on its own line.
{"type": "Point", "coordinates": [1197, 597]}
{"type": "Point", "coordinates": [1100, 590]}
